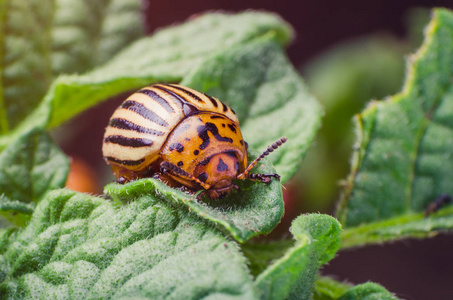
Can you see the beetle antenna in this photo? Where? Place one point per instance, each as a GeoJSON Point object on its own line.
{"type": "Point", "coordinates": [166, 166]}
{"type": "Point", "coordinates": [269, 149]}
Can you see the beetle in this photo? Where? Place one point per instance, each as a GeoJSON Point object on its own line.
{"type": "Point", "coordinates": [182, 137]}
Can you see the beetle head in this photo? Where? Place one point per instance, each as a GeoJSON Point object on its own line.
{"type": "Point", "coordinates": [218, 171]}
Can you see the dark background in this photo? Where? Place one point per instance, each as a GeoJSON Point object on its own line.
{"type": "Point", "coordinates": [412, 269]}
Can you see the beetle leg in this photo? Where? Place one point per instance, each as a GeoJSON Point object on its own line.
{"type": "Point", "coordinates": [121, 180]}
{"type": "Point", "coordinates": [269, 149]}
{"type": "Point", "coordinates": [167, 167]}
{"type": "Point", "coordinates": [266, 178]}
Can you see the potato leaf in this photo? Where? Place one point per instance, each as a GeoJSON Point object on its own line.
{"type": "Point", "coordinates": [256, 209]}
{"type": "Point", "coordinates": [79, 247]}
{"type": "Point", "coordinates": [292, 276]}
{"type": "Point", "coordinates": [404, 155]}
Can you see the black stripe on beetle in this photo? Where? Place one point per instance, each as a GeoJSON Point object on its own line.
{"type": "Point", "coordinates": [176, 146]}
{"type": "Point", "coordinates": [144, 112]}
{"type": "Point", "coordinates": [217, 117]}
{"type": "Point", "coordinates": [153, 95]}
{"type": "Point", "coordinates": [182, 103]}
{"type": "Point", "coordinates": [204, 136]}
{"type": "Point", "coordinates": [125, 162]}
{"type": "Point", "coordinates": [128, 142]}
{"type": "Point", "coordinates": [192, 95]}
{"type": "Point", "coordinates": [225, 108]}
{"type": "Point", "coordinates": [221, 166]}
{"type": "Point", "coordinates": [128, 125]}
{"type": "Point", "coordinates": [213, 101]}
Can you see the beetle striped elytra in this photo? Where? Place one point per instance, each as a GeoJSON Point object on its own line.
{"type": "Point", "coordinates": [181, 136]}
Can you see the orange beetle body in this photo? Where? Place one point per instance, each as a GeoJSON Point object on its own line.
{"type": "Point", "coordinates": [181, 136]}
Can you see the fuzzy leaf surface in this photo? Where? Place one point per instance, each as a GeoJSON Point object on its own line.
{"type": "Point", "coordinates": [368, 291]}
{"type": "Point", "coordinates": [406, 226]}
{"type": "Point", "coordinates": [256, 209]}
{"type": "Point", "coordinates": [29, 168]}
{"type": "Point", "coordinates": [293, 275]}
{"type": "Point", "coordinates": [270, 98]}
{"type": "Point", "coordinates": [82, 247]}
{"type": "Point", "coordinates": [405, 155]}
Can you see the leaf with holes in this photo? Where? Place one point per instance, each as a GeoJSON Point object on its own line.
{"type": "Point", "coordinates": [404, 155]}
{"type": "Point", "coordinates": [78, 247]}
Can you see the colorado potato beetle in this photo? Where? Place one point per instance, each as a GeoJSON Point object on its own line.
{"type": "Point", "coordinates": [181, 136]}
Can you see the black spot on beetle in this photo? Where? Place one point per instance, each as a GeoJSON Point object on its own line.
{"type": "Point", "coordinates": [176, 146]}
{"type": "Point", "coordinates": [203, 134]}
{"type": "Point", "coordinates": [242, 142]}
{"type": "Point", "coordinates": [196, 152]}
{"type": "Point", "coordinates": [203, 177]}
{"type": "Point", "coordinates": [221, 167]}
{"type": "Point", "coordinates": [223, 125]}
{"type": "Point", "coordinates": [180, 164]}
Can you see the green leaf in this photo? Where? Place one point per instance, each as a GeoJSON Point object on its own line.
{"type": "Point", "coordinates": [78, 247]}
{"type": "Point", "coordinates": [122, 25]}
{"type": "Point", "coordinates": [29, 168]}
{"type": "Point", "coordinates": [405, 144]}
{"type": "Point", "coordinates": [329, 289]}
{"type": "Point", "coordinates": [256, 209]}
{"type": "Point", "coordinates": [343, 80]}
{"type": "Point", "coordinates": [368, 291]}
{"type": "Point", "coordinates": [168, 55]}
{"type": "Point", "coordinates": [270, 99]}
{"type": "Point", "coordinates": [406, 226]}
{"type": "Point", "coordinates": [88, 33]}
{"type": "Point", "coordinates": [41, 39]}
{"type": "Point", "coordinates": [25, 56]}
{"type": "Point", "coordinates": [293, 275]}
{"type": "Point", "coordinates": [261, 255]}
